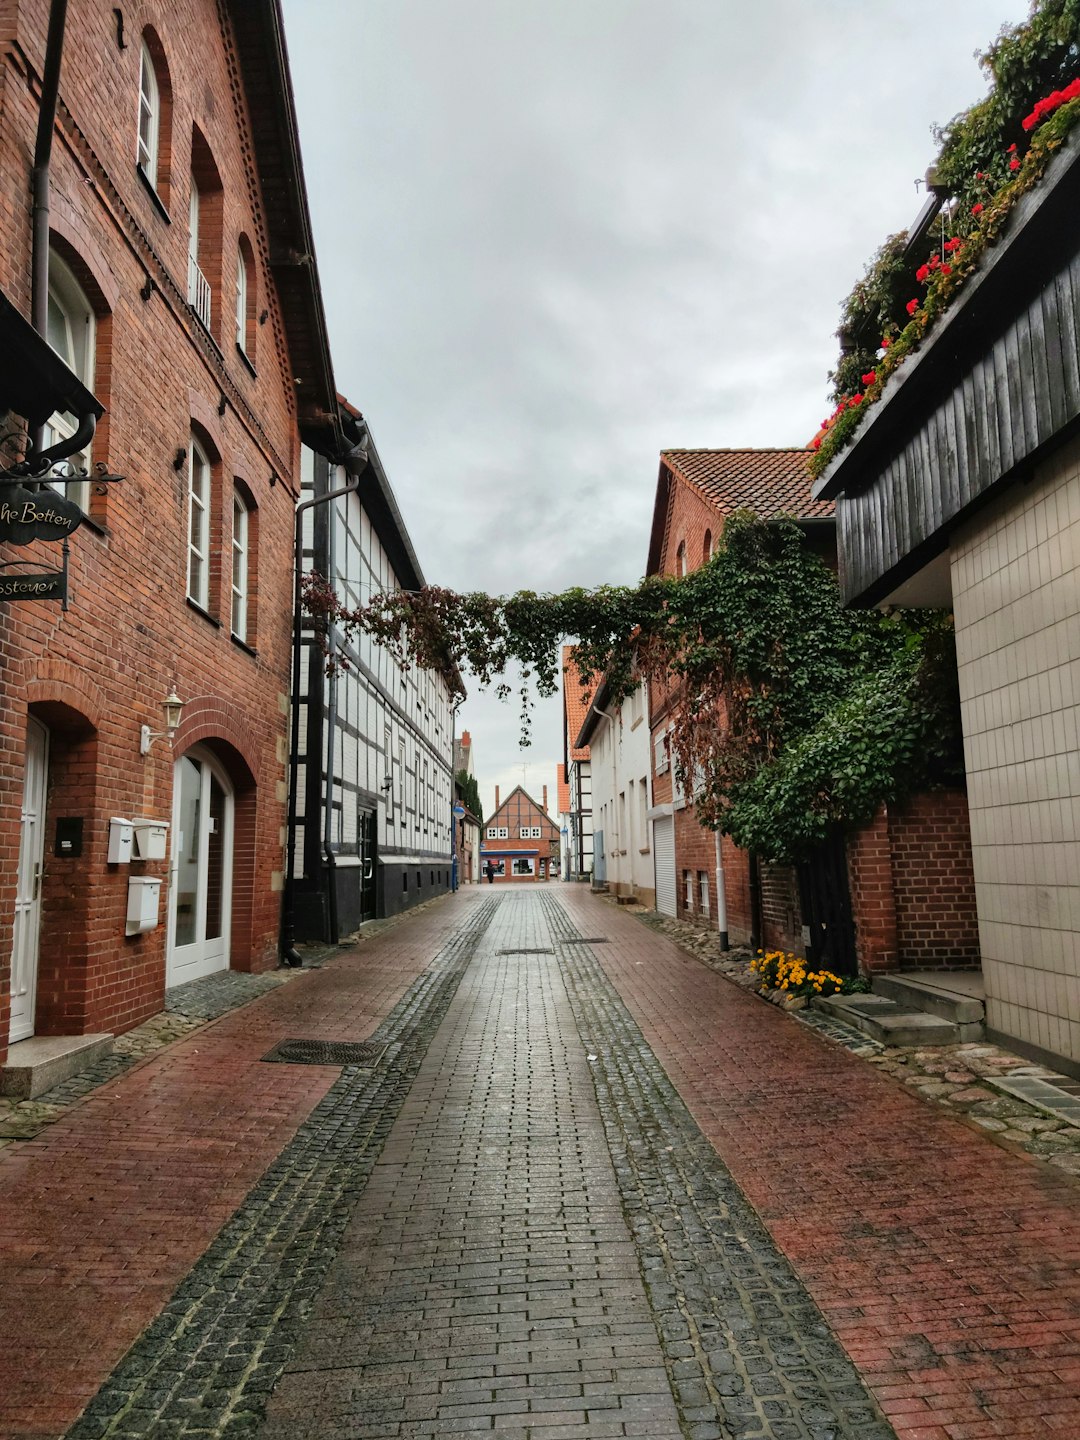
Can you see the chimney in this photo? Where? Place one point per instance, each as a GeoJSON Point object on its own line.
{"type": "Point", "coordinates": [496, 797]}
{"type": "Point", "coordinates": [466, 739]}
{"type": "Point", "coordinates": [545, 799]}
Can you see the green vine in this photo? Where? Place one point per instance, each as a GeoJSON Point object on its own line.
{"type": "Point", "coordinates": [755, 653]}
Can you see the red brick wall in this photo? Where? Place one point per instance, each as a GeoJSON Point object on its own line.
{"type": "Point", "coordinates": [516, 811]}
{"type": "Point", "coordinates": [95, 674]}
{"type": "Point", "coordinates": [933, 881]}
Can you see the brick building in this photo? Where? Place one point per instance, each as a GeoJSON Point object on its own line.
{"type": "Point", "coordinates": [521, 841]}
{"type": "Point", "coordinates": [182, 292]}
{"type": "Point", "coordinates": [697, 878]}
{"type": "Point", "coordinates": [577, 767]}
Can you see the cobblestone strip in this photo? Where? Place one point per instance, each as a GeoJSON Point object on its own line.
{"type": "Point", "coordinates": [207, 1364]}
{"type": "Point", "coordinates": [749, 1352]}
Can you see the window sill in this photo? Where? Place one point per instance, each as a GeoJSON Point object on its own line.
{"type": "Point", "coordinates": [248, 365]}
{"type": "Point", "coordinates": [90, 523]}
{"type": "Point", "coordinates": [243, 645]}
{"type": "Point", "coordinates": [155, 198]}
{"type": "Point", "coordinates": [194, 605]}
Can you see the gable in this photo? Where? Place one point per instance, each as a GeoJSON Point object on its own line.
{"type": "Point", "coordinates": [520, 810]}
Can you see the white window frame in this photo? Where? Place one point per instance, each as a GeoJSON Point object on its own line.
{"type": "Point", "coordinates": [200, 491]}
{"type": "Point", "coordinates": [241, 542]}
{"type": "Point", "coordinates": [67, 297]}
{"type": "Point", "coordinates": [661, 754]}
{"type": "Point", "coordinates": [199, 297]}
{"type": "Point", "coordinates": [241, 300]}
{"type": "Point", "coordinates": [149, 127]}
{"type": "Point", "coordinates": [688, 878]}
{"type": "Point", "coordinates": [523, 865]}
{"type": "Point", "coordinates": [703, 891]}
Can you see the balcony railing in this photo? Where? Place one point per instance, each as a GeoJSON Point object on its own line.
{"type": "Point", "coordinates": [198, 291]}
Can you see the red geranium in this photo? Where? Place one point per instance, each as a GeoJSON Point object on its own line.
{"type": "Point", "coordinates": [976, 209]}
{"type": "Point", "coordinates": [1049, 103]}
{"type": "Point", "coordinates": [953, 244]}
{"type": "Point", "coordinates": [946, 269]}
{"type": "Point", "coordinates": [870, 377]}
{"type": "Point", "coordinates": [922, 274]}
{"type": "Point", "coordinates": [912, 306]}
{"type": "Point", "coordinates": [885, 342]}
{"type": "Point", "coordinates": [855, 400]}
{"type": "Point", "coordinates": [1014, 164]}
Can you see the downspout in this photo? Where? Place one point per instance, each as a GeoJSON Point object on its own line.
{"type": "Point", "coordinates": [355, 462]}
{"type": "Point", "coordinates": [721, 896]}
{"type": "Point", "coordinates": [50, 91]}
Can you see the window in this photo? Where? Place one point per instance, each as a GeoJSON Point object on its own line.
{"type": "Point", "coordinates": [498, 832]}
{"type": "Point", "coordinates": [680, 558]}
{"type": "Point", "coordinates": [662, 757]}
{"type": "Point", "coordinates": [530, 832]}
{"type": "Point", "coordinates": [688, 888]}
{"type": "Point", "coordinates": [198, 525]}
{"type": "Point", "coordinates": [149, 117]}
{"type": "Point", "coordinates": [241, 300]}
{"type": "Point", "coordinates": [241, 533]}
{"type": "Point", "coordinates": [523, 867]}
{"type": "Point", "coordinates": [707, 548]}
{"type": "Point", "coordinates": [703, 892]}
{"type": "Point", "coordinates": [71, 333]}
{"type": "Point", "coordinates": [198, 285]}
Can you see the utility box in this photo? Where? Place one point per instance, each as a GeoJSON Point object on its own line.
{"type": "Point", "coordinates": [121, 839]}
{"type": "Point", "coordinates": [144, 900]}
{"type": "Point", "coordinates": [151, 839]}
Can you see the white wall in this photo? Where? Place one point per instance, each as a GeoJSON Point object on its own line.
{"type": "Point", "coordinates": [620, 762]}
{"type": "Point", "coordinates": [1016, 595]}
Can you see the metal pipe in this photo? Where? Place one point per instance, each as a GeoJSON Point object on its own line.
{"type": "Point", "coordinates": [721, 896]}
{"type": "Point", "coordinates": [355, 463]}
{"type": "Point", "coordinates": [39, 182]}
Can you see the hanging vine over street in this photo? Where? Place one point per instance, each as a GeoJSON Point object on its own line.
{"type": "Point", "coordinates": [790, 714]}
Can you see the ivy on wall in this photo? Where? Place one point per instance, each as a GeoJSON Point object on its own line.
{"type": "Point", "coordinates": [789, 713]}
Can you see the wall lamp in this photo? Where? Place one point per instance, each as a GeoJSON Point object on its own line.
{"type": "Point", "coordinates": [172, 706]}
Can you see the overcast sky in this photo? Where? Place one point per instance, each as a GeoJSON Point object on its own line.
{"type": "Point", "coordinates": [558, 236]}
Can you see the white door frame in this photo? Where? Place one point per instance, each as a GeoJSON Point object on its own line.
{"type": "Point", "coordinates": [202, 957]}
{"type": "Point", "coordinates": [27, 925]}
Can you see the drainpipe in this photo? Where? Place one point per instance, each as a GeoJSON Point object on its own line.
{"type": "Point", "coordinates": [50, 90]}
{"type": "Point", "coordinates": [721, 896]}
{"type": "Point", "coordinates": [355, 462]}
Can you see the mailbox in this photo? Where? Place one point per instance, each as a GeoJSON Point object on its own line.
{"type": "Point", "coordinates": [144, 898]}
{"type": "Point", "coordinates": [121, 837]}
{"type": "Point", "coordinates": [151, 838]}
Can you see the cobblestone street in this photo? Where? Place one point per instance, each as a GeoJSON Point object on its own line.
{"type": "Point", "coordinates": [590, 1189]}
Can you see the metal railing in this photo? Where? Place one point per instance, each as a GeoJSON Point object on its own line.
{"type": "Point", "coordinates": [198, 291]}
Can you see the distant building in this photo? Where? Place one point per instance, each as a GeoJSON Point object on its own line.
{"type": "Point", "coordinates": [521, 841]}
{"type": "Point", "coordinates": [618, 742]}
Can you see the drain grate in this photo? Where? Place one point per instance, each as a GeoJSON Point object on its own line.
{"type": "Point", "coordinates": [364, 1053]}
{"type": "Point", "coordinates": [1057, 1095]}
{"type": "Point", "coordinates": [524, 950]}
{"type": "Point", "coordinates": [586, 940]}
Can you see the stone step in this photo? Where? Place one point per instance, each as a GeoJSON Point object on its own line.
{"type": "Point", "coordinates": [888, 1021]}
{"type": "Point", "coordinates": [955, 997]}
{"type": "Point", "coordinates": [36, 1065]}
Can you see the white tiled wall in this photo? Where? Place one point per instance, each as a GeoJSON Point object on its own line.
{"type": "Point", "coordinates": [1016, 594]}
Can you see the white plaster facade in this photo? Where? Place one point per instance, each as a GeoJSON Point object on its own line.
{"type": "Point", "coordinates": [619, 746]}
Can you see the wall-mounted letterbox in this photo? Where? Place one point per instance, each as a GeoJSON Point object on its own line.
{"type": "Point", "coordinates": [144, 899]}
{"type": "Point", "coordinates": [121, 838]}
{"type": "Point", "coordinates": [151, 839]}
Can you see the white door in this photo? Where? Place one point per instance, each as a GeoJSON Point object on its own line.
{"type": "Point", "coordinates": [200, 878]}
{"type": "Point", "coordinates": [663, 845]}
{"type": "Point", "coordinates": [24, 959]}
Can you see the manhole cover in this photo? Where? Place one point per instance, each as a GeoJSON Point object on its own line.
{"type": "Point", "coordinates": [523, 950]}
{"type": "Point", "coordinates": [365, 1053]}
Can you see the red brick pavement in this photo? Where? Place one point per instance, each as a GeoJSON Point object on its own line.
{"type": "Point", "coordinates": [104, 1213]}
{"type": "Point", "coordinates": [948, 1267]}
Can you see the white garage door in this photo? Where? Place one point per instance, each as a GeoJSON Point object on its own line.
{"type": "Point", "coordinates": [663, 847]}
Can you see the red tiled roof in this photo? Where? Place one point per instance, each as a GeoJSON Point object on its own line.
{"type": "Point", "coordinates": [564, 790]}
{"type": "Point", "coordinates": [769, 482]}
{"type": "Point", "coordinates": [576, 702]}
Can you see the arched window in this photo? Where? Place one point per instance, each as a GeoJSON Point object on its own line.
{"type": "Point", "coordinates": [241, 565]}
{"type": "Point", "coordinates": [72, 334]}
{"type": "Point", "coordinates": [680, 559]}
{"type": "Point", "coordinates": [246, 299]}
{"type": "Point", "coordinates": [707, 548]}
{"type": "Point", "coordinates": [204, 236]}
{"type": "Point", "coordinates": [149, 116]}
{"type": "Point", "coordinates": [199, 518]}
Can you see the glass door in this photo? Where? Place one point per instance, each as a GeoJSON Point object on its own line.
{"type": "Point", "coordinates": [200, 890]}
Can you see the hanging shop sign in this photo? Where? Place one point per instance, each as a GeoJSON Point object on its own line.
{"type": "Point", "coordinates": [27, 515]}
{"type": "Point", "coordinates": [19, 582]}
